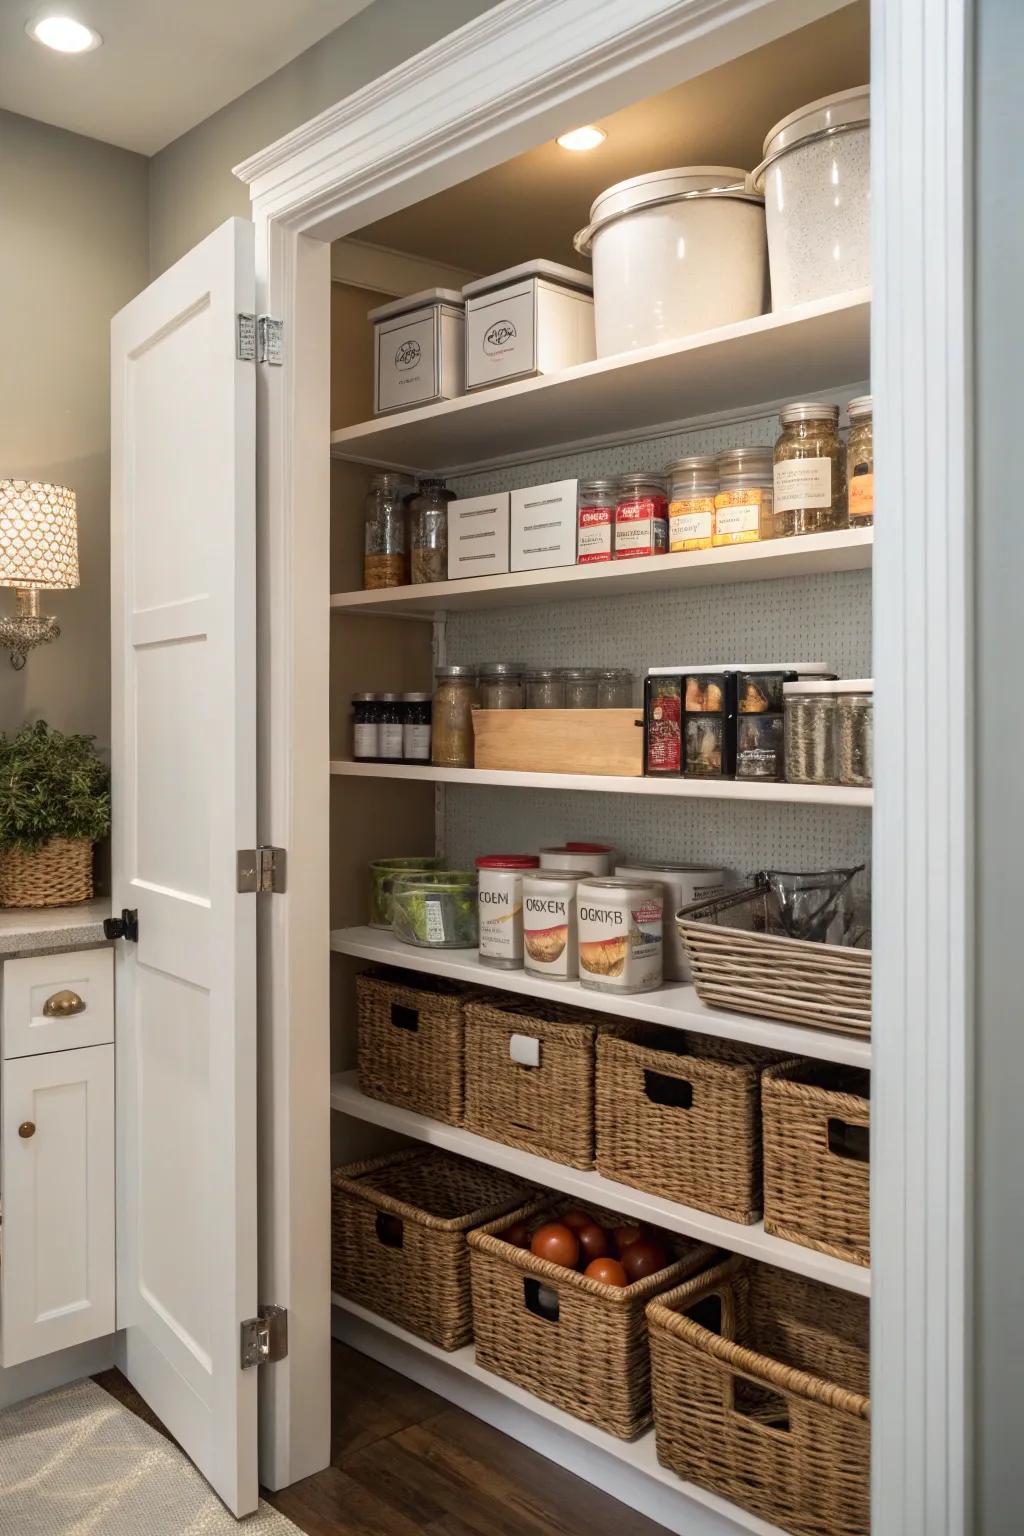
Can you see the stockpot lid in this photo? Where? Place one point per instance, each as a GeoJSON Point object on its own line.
{"type": "Point", "coordinates": [421, 300]}
{"type": "Point", "coordinates": [829, 115]}
{"type": "Point", "coordinates": [656, 188]}
{"type": "Point", "coordinates": [550, 271]}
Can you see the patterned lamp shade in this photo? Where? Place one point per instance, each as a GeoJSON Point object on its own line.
{"type": "Point", "coordinates": [38, 535]}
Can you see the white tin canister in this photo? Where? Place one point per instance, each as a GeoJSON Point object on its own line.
{"type": "Point", "coordinates": [683, 884]}
{"type": "Point", "coordinates": [620, 934]}
{"type": "Point", "coordinates": [500, 907]}
{"type": "Point", "coordinates": [549, 924]}
{"type": "Point", "coordinates": [675, 252]}
{"type": "Point", "coordinates": [815, 177]}
{"type": "Point", "coordinates": [586, 859]}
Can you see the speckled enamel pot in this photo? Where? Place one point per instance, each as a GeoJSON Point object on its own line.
{"type": "Point", "coordinates": [816, 182]}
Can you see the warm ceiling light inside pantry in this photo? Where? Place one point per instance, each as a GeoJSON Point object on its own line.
{"type": "Point", "coordinates": [582, 138]}
{"type": "Point", "coordinates": [63, 33]}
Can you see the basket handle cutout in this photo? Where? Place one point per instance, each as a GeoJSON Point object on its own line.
{"type": "Point", "coordinates": [524, 1050]}
{"type": "Point", "coordinates": [673, 1092]}
{"type": "Point", "coordinates": [541, 1300]}
{"type": "Point", "coordinates": [758, 1405]}
{"type": "Point", "coordinates": [390, 1230]}
{"type": "Point", "coordinates": [405, 1018]}
{"type": "Point", "coordinates": [849, 1141]}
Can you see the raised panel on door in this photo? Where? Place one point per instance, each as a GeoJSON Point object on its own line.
{"type": "Point", "coordinates": [184, 801]}
{"type": "Point", "coordinates": [57, 1275]}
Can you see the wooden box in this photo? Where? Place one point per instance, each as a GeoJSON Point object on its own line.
{"type": "Point", "coordinates": [598, 741]}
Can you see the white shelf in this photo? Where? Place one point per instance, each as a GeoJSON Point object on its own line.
{"type": "Point", "coordinates": [813, 554]}
{"type": "Point", "coordinates": [674, 1005]}
{"type": "Point", "coordinates": [797, 352]}
{"type": "Point", "coordinates": [751, 1241]}
{"type": "Point", "coordinates": [627, 1469]}
{"type": "Point", "coordinates": [612, 784]}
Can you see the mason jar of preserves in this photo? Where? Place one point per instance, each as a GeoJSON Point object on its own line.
{"type": "Point", "coordinates": [810, 470]}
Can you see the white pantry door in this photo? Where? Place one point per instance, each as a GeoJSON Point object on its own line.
{"type": "Point", "coordinates": [183, 597]}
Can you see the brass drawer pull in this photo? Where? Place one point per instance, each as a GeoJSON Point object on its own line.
{"type": "Point", "coordinates": [26, 1129]}
{"type": "Point", "coordinates": [63, 1005]}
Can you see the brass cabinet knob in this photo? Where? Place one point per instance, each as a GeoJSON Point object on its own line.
{"type": "Point", "coordinates": [26, 1129]}
{"type": "Point", "coordinates": [63, 1005]}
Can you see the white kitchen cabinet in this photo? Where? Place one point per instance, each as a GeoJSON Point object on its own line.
{"type": "Point", "coordinates": [57, 1274]}
{"type": "Point", "coordinates": [57, 1002]}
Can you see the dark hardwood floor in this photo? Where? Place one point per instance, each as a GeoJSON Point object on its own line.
{"type": "Point", "coordinates": [405, 1462]}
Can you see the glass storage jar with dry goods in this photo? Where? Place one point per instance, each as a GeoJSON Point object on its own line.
{"type": "Point", "coordinates": [691, 507]}
{"type": "Point", "coordinates": [501, 685]}
{"type": "Point", "coordinates": [428, 531]}
{"type": "Point", "coordinates": [386, 533]}
{"type": "Point", "coordinates": [595, 538]}
{"type": "Point", "coordinates": [743, 504]}
{"type": "Point", "coordinates": [614, 688]}
{"type": "Point", "coordinates": [810, 470]}
{"type": "Point", "coordinates": [580, 688]}
{"type": "Point", "coordinates": [456, 695]}
{"type": "Point", "coordinates": [860, 462]}
{"type": "Point", "coordinates": [855, 730]}
{"type": "Point", "coordinates": [545, 688]}
{"type": "Point", "coordinates": [810, 732]}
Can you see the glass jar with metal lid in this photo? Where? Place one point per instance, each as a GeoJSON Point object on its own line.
{"type": "Point", "coordinates": [386, 532]}
{"type": "Point", "coordinates": [614, 688]}
{"type": "Point", "coordinates": [545, 688]}
{"type": "Point", "coordinates": [855, 730]}
{"type": "Point", "coordinates": [428, 533]}
{"type": "Point", "coordinates": [860, 462]}
{"type": "Point", "coordinates": [389, 728]}
{"type": "Point", "coordinates": [595, 538]}
{"type": "Point", "coordinates": [810, 470]}
{"type": "Point", "coordinates": [693, 485]}
{"type": "Point", "coordinates": [641, 517]}
{"type": "Point", "coordinates": [455, 697]}
{"type": "Point", "coordinates": [501, 685]}
{"type": "Point", "coordinates": [743, 505]}
{"type": "Point", "coordinates": [580, 687]}
{"type": "Point", "coordinates": [810, 722]}
{"type": "Point", "coordinates": [365, 728]}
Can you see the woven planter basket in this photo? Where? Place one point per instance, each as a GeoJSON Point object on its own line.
{"type": "Point", "coordinates": [411, 1044]}
{"type": "Point", "coordinates": [399, 1227]}
{"type": "Point", "coordinates": [56, 875]}
{"type": "Point", "coordinates": [593, 1359]}
{"type": "Point", "coordinates": [548, 1108]}
{"type": "Point", "coordinates": [679, 1115]}
{"type": "Point", "coordinates": [760, 1395]}
{"type": "Point", "coordinates": [816, 1168]}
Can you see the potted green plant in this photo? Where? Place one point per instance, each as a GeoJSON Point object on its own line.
{"type": "Point", "coordinates": [54, 805]}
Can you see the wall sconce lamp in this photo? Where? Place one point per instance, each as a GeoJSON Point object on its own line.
{"type": "Point", "coordinates": [38, 552]}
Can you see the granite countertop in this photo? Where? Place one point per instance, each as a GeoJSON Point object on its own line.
{"type": "Point", "coordinates": [39, 930]}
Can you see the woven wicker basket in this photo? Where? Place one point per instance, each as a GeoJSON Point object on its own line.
{"type": "Point", "coordinates": [411, 1044]}
{"type": "Point", "coordinates": [592, 1359]}
{"type": "Point", "coordinates": [679, 1115]}
{"type": "Point", "coordinates": [760, 1394]}
{"type": "Point", "coordinates": [547, 1108]}
{"type": "Point", "coordinates": [736, 965]}
{"type": "Point", "coordinates": [56, 875]}
{"type": "Point", "coordinates": [399, 1236]}
{"type": "Point", "coordinates": [816, 1171]}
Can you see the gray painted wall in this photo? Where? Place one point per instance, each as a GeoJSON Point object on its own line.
{"type": "Point", "coordinates": [999, 1096]}
{"type": "Point", "coordinates": [192, 189]}
{"type": "Point", "coordinates": [73, 251]}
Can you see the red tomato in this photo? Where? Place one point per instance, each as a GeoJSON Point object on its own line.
{"type": "Point", "coordinates": [576, 1219]}
{"type": "Point", "coordinates": [557, 1244]}
{"type": "Point", "coordinates": [593, 1241]}
{"type": "Point", "coordinates": [608, 1271]}
{"type": "Point", "coordinates": [644, 1258]}
{"type": "Point", "coordinates": [519, 1235]}
{"type": "Point", "coordinates": [624, 1236]}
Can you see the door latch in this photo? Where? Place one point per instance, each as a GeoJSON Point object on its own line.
{"type": "Point", "coordinates": [124, 927]}
{"type": "Point", "coordinates": [265, 1338]}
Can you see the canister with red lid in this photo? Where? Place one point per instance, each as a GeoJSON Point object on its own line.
{"type": "Point", "coordinates": [500, 905]}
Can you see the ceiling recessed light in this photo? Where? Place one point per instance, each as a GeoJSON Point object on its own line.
{"type": "Point", "coordinates": [582, 138]}
{"type": "Point", "coordinates": [63, 33]}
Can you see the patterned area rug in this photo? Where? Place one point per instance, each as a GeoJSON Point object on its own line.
{"type": "Point", "coordinates": [76, 1463]}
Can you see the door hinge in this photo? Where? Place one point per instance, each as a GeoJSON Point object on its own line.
{"type": "Point", "coordinates": [245, 338]}
{"type": "Point", "coordinates": [265, 1338]}
{"type": "Point", "coordinates": [261, 870]}
{"type": "Point", "coordinates": [270, 341]}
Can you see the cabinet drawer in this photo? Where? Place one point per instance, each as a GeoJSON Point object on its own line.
{"type": "Point", "coordinates": [57, 1275]}
{"type": "Point", "coordinates": [58, 1002]}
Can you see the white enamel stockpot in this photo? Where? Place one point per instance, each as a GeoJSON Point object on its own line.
{"type": "Point", "coordinates": [815, 177]}
{"type": "Point", "coordinates": [675, 252]}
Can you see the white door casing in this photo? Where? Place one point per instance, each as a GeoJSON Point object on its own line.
{"type": "Point", "coordinates": [184, 797]}
{"type": "Point", "coordinates": [58, 1181]}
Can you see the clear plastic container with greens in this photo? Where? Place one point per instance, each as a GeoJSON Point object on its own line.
{"type": "Point", "coordinates": [436, 910]}
{"type": "Point", "coordinates": [383, 873]}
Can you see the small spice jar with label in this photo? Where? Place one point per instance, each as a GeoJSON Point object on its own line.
{"type": "Point", "coordinates": [389, 728]}
{"type": "Point", "coordinates": [641, 518]}
{"type": "Point", "coordinates": [365, 728]}
{"type": "Point", "coordinates": [416, 727]}
{"type": "Point", "coordinates": [500, 899]}
{"type": "Point", "coordinates": [860, 463]}
{"type": "Point", "coordinates": [743, 504]}
{"type": "Point", "coordinates": [545, 688]}
{"type": "Point", "coordinates": [455, 698]}
{"type": "Point", "coordinates": [810, 470]}
{"type": "Point", "coordinates": [595, 538]}
{"type": "Point", "coordinates": [691, 508]}
{"type": "Point", "coordinates": [501, 685]}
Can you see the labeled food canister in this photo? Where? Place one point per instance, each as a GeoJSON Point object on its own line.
{"type": "Point", "coordinates": [641, 518]}
{"type": "Point", "coordinates": [416, 727]}
{"type": "Point", "coordinates": [691, 508]}
{"type": "Point", "coordinates": [549, 923]}
{"type": "Point", "coordinates": [500, 899]}
{"type": "Point", "coordinates": [743, 503]}
{"type": "Point", "coordinates": [620, 934]}
{"type": "Point", "coordinates": [683, 884]}
{"type": "Point", "coordinates": [810, 470]}
{"type": "Point", "coordinates": [389, 729]}
{"type": "Point", "coordinates": [579, 858]}
{"type": "Point", "coordinates": [860, 462]}
{"type": "Point", "coordinates": [595, 538]}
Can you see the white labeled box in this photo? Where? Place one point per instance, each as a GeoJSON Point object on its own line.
{"type": "Point", "coordinates": [534, 318]}
{"type": "Point", "coordinates": [419, 353]}
{"type": "Point", "coordinates": [543, 526]}
{"type": "Point", "coordinates": [478, 536]}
